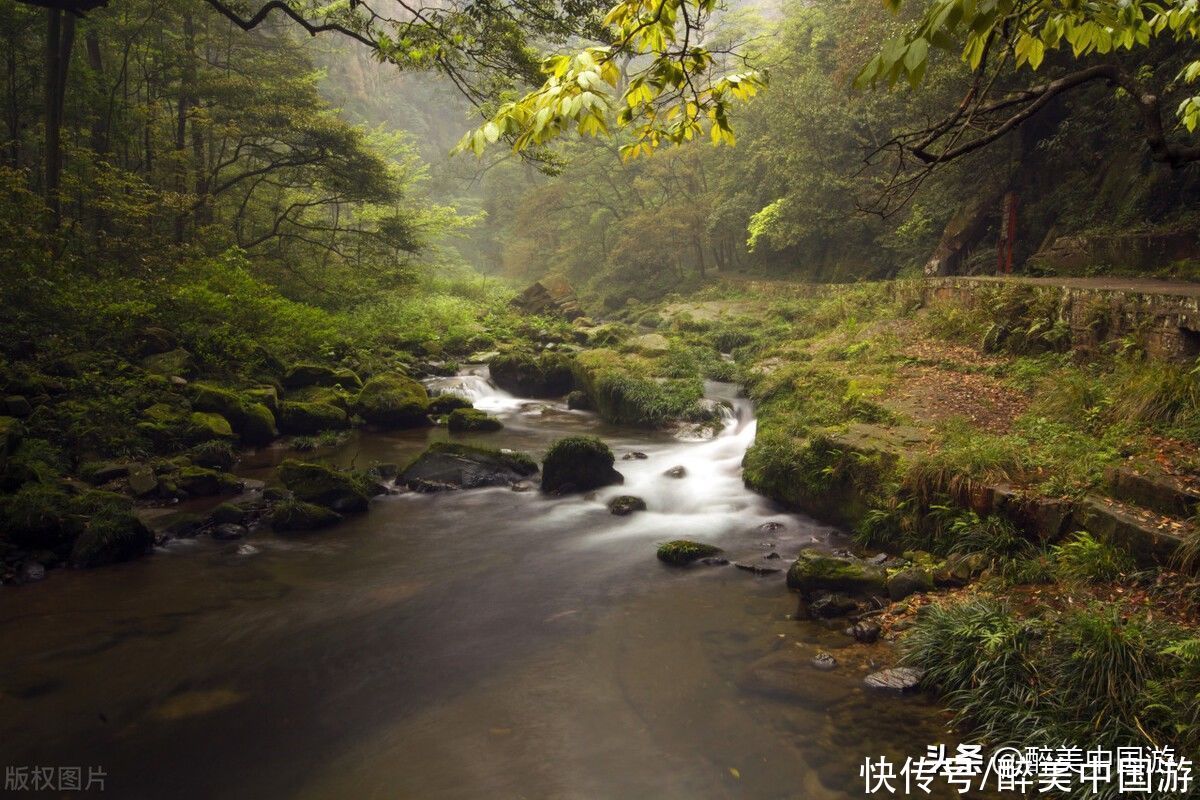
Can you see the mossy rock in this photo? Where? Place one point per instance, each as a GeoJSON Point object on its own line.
{"type": "Point", "coordinates": [214, 455]}
{"type": "Point", "coordinates": [264, 395]}
{"type": "Point", "coordinates": [578, 400]}
{"type": "Point", "coordinates": [815, 571]}
{"type": "Point", "coordinates": [252, 421]}
{"type": "Point", "coordinates": [471, 420]}
{"type": "Point", "coordinates": [165, 413]}
{"type": "Point", "coordinates": [203, 482]}
{"type": "Point", "coordinates": [206, 425]}
{"type": "Point", "coordinates": [393, 401]}
{"type": "Point", "coordinates": [256, 426]}
{"type": "Point", "coordinates": [528, 375]}
{"type": "Point", "coordinates": [326, 395]}
{"type": "Point", "coordinates": [300, 375]}
{"type": "Point", "coordinates": [228, 513]}
{"type": "Point", "coordinates": [466, 467]}
{"type": "Point", "coordinates": [650, 344]}
{"type": "Point", "coordinates": [447, 403]}
{"type": "Point", "coordinates": [912, 580]}
{"type": "Point", "coordinates": [11, 431]}
{"type": "Point", "coordinates": [296, 515]}
{"type": "Point", "coordinates": [682, 552]}
{"type": "Point", "coordinates": [310, 418]}
{"type": "Point", "coordinates": [173, 363]}
{"type": "Point", "coordinates": [38, 517]}
{"type": "Point", "coordinates": [578, 464]}
{"type": "Point", "coordinates": [109, 537]}
{"type": "Point", "coordinates": [347, 379]}
{"type": "Point", "coordinates": [324, 485]}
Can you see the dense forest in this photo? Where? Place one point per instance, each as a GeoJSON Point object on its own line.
{"type": "Point", "coordinates": [890, 301]}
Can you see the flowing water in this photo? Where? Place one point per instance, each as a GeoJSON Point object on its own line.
{"type": "Point", "coordinates": [488, 643]}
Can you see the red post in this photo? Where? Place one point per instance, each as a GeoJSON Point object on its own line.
{"type": "Point", "coordinates": [1008, 235]}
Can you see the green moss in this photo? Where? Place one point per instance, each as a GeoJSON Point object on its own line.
{"type": "Point", "coordinates": [393, 401]}
{"type": "Point", "coordinates": [111, 536]}
{"type": "Point", "coordinates": [37, 517]}
{"type": "Point", "coordinates": [446, 403]}
{"type": "Point", "coordinates": [307, 374]}
{"type": "Point", "coordinates": [310, 418]}
{"type": "Point", "coordinates": [210, 426]}
{"type": "Point", "coordinates": [323, 485]}
{"type": "Point", "coordinates": [578, 463]}
{"type": "Point", "coordinates": [682, 552]}
{"type": "Point", "coordinates": [814, 570]}
{"type": "Point", "coordinates": [296, 515]}
{"type": "Point", "coordinates": [471, 420]}
{"type": "Point", "coordinates": [203, 482]}
{"type": "Point", "coordinates": [528, 375]}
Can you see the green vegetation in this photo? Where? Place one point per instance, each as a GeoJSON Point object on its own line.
{"type": "Point", "coordinates": [1082, 675]}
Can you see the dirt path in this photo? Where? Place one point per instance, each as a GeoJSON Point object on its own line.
{"type": "Point", "coordinates": [1115, 284]}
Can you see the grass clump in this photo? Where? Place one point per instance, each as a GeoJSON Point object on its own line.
{"type": "Point", "coordinates": [1085, 559]}
{"type": "Point", "coordinates": [1096, 676]}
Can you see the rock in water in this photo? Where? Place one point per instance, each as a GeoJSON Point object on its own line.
{"type": "Point", "coordinates": [824, 661]}
{"type": "Point", "coordinates": [578, 464]}
{"type": "Point", "coordinates": [228, 531]}
{"type": "Point", "coordinates": [816, 571]}
{"type": "Point", "coordinates": [472, 420]}
{"type": "Point", "coordinates": [324, 486]}
{"type": "Point", "coordinates": [682, 552]}
{"type": "Point", "coordinates": [900, 679]}
{"type": "Point", "coordinates": [634, 455]}
{"type": "Point", "coordinates": [676, 472]}
{"type": "Point", "coordinates": [458, 466]}
{"type": "Point", "coordinates": [626, 504]}
{"type": "Point", "coordinates": [864, 632]}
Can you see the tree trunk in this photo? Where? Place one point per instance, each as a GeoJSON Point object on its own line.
{"type": "Point", "coordinates": [60, 38]}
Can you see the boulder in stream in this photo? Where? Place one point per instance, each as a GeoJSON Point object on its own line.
{"type": "Point", "coordinates": [815, 571]}
{"type": "Point", "coordinates": [578, 464]}
{"type": "Point", "coordinates": [459, 466]}
{"type": "Point", "coordinates": [472, 420]}
{"type": "Point", "coordinates": [296, 515]}
{"type": "Point", "coordinates": [682, 552]}
{"type": "Point", "coordinates": [626, 504]}
{"type": "Point", "coordinates": [325, 486]}
{"type": "Point", "coordinates": [393, 401]}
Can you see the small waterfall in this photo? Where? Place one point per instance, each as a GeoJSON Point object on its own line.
{"type": "Point", "coordinates": [475, 385]}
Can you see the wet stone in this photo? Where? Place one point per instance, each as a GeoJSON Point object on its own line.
{"type": "Point", "coordinates": [834, 604]}
{"type": "Point", "coordinates": [824, 661]}
{"type": "Point", "coordinates": [676, 472]}
{"type": "Point", "coordinates": [635, 455]}
{"type": "Point", "coordinates": [771, 527]}
{"type": "Point", "coordinates": [899, 679]}
{"type": "Point", "coordinates": [864, 632]}
{"type": "Point", "coordinates": [31, 571]}
{"type": "Point", "coordinates": [757, 569]}
{"type": "Point", "coordinates": [228, 531]}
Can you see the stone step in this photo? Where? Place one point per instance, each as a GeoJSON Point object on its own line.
{"type": "Point", "coordinates": [1153, 490]}
{"type": "Point", "coordinates": [1150, 538]}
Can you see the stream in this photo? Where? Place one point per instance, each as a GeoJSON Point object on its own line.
{"type": "Point", "coordinates": [485, 643]}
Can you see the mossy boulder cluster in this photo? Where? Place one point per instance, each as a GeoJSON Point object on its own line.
{"type": "Point", "coordinates": [528, 375]}
{"type": "Point", "coordinates": [87, 529]}
{"type": "Point", "coordinates": [578, 464]}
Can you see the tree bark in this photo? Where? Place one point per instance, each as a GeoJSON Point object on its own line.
{"type": "Point", "coordinates": [60, 38]}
